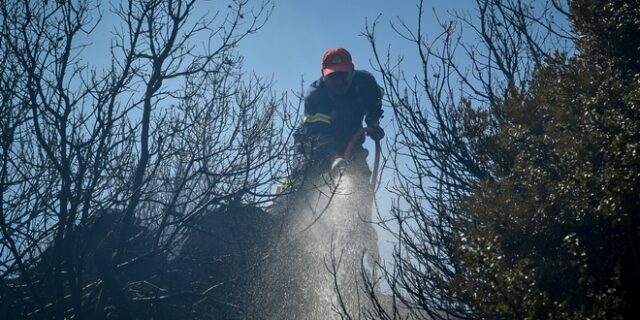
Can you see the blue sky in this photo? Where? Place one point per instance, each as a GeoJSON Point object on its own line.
{"type": "Point", "coordinates": [291, 44]}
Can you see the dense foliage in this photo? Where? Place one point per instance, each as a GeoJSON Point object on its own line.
{"type": "Point", "coordinates": [522, 197]}
{"type": "Point", "coordinates": [556, 234]}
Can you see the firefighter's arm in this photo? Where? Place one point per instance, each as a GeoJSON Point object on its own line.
{"type": "Point", "coordinates": [314, 135]}
{"type": "Point", "coordinates": [315, 121]}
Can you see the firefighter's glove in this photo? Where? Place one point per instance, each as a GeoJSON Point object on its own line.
{"type": "Point", "coordinates": [377, 133]}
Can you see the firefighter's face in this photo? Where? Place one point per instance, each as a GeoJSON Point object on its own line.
{"type": "Point", "coordinates": [339, 82]}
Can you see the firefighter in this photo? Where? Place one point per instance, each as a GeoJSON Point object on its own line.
{"type": "Point", "coordinates": [335, 106]}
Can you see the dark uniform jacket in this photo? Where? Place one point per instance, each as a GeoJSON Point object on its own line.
{"type": "Point", "coordinates": [335, 118]}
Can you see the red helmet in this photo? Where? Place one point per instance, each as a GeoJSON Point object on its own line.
{"type": "Point", "coordinates": [336, 59]}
